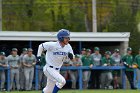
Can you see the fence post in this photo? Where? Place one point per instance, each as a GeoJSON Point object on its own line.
{"type": "Point", "coordinates": [135, 78]}
{"type": "Point", "coordinates": [36, 77]}
{"type": "Point", "coordinates": [123, 79]}
{"type": "Point", "coordinates": [8, 78]}
{"type": "Point", "coordinates": [80, 78]}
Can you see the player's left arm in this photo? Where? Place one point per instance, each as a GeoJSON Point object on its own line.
{"type": "Point", "coordinates": [71, 54]}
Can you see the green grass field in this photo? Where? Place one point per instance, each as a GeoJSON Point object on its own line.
{"type": "Point", "coordinates": [82, 91]}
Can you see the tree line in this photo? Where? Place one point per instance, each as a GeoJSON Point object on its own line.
{"type": "Point", "coordinates": [76, 15]}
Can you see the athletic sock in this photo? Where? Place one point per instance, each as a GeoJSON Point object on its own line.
{"type": "Point", "coordinates": [42, 91]}
{"type": "Point", "coordinates": [56, 89]}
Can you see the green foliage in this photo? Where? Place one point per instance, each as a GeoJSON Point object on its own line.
{"type": "Point", "coordinates": [43, 15]}
{"type": "Point", "coordinates": [120, 16]}
{"type": "Point", "coordinates": [76, 15]}
{"type": "Point", "coordinates": [124, 19]}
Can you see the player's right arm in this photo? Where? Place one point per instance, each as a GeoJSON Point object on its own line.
{"type": "Point", "coordinates": [40, 50]}
{"type": "Point", "coordinates": [42, 47]}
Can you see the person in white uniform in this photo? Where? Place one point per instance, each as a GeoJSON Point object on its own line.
{"type": "Point", "coordinates": [57, 53]}
{"type": "Point", "coordinates": [3, 64]}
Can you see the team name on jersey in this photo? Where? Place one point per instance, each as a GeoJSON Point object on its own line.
{"type": "Point", "coordinates": [13, 60]}
{"type": "Point", "coordinates": [59, 53]}
{"type": "Point", "coordinates": [30, 59]}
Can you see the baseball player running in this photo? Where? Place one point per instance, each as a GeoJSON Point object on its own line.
{"type": "Point", "coordinates": [57, 53]}
{"type": "Point", "coordinates": [3, 63]}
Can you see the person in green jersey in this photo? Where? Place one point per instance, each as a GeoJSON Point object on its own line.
{"type": "Point", "coordinates": [137, 62]}
{"type": "Point", "coordinates": [83, 52]}
{"type": "Point", "coordinates": [42, 77]}
{"type": "Point", "coordinates": [106, 75]}
{"type": "Point", "coordinates": [87, 61]}
{"type": "Point", "coordinates": [128, 62]}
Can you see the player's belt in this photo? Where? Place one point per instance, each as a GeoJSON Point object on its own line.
{"type": "Point", "coordinates": [14, 67]}
{"type": "Point", "coordinates": [54, 68]}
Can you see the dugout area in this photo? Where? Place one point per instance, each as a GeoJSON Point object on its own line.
{"type": "Point", "coordinates": [79, 40]}
{"type": "Point", "coordinates": [8, 45]}
{"type": "Point", "coordinates": [104, 40]}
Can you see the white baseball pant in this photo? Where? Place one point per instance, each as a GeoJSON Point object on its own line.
{"type": "Point", "coordinates": [53, 78]}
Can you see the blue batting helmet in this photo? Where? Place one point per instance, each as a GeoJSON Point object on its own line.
{"type": "Point", "coordinates": [62, 34]}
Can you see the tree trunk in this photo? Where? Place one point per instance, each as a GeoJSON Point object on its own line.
{"type": "Point", "coordinates": [30, 14]}
{"type": "Point", "coordinates": [0, 15]}
{"type": "Point", "coordinates": [135, 7]}
{"type": "Point", "coordinates": [87, 23]}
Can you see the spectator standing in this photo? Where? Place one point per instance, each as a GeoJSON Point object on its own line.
{"type": "Point", "coordinates": [128, 62]}
{"type": "Point", "coordinates": [137, 62]}
{"type": "Point", "coordinates": [42, 77]}
{"type": "Point", "coordinates": [21, 70]}
{"type": "Point", "coordinates": [106, 76]}
{"type": "Point", "coordinates": [95, 74]}
{"type": "Point", "coordinates": [87, 61]}
{"type": "Point", "coordinates": [3, 63]}
{"type": "Point", "coordinates": [117, 62]}
{"type": "Point", "coordinates": [14, 63]}
{"type": "Point", "coordinates": [29, 61]}
{"type": "Point", "coordinates": [74, 73]}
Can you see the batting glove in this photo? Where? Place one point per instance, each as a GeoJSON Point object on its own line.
{"type": "Point", "coordinates": [70, 55]}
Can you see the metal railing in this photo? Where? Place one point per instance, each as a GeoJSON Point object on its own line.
{"type": "Point", "coordinates": [81, 68]}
